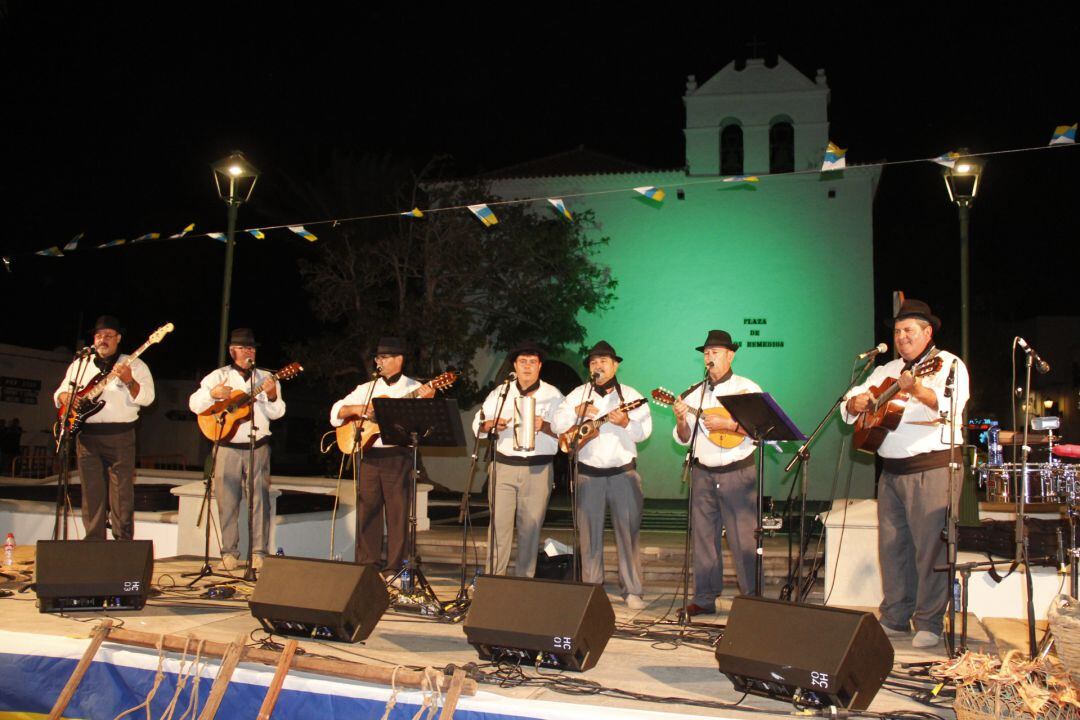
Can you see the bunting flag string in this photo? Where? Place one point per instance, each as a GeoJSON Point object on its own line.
{"type": "Point", "coordinates": [484, 214]}
{"type": "Point", "coordinates": [835, 158]}
{"type": "Point", "coordinates": [560, 207]}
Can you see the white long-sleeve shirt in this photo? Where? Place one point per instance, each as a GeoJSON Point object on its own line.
{"type": "Point", "coordinates": [120, 407]}
{"type": "Point", "coordinates": [706, 451]}
{"type": "Point", "coordinates": [613, 446]}
{"type": "Point", "coordinates": [913, 437]}
{"type": "Point", "coordinates": [403, 386]}
{"type": "Point", "coordinates": [548, 398]}
{"type": "Point", "coordinates": [264, 409]}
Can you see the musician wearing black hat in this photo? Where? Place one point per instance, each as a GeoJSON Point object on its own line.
{"type": "Point", "coordinates": [722, 475]}
{"type": "Point", "coordinates": [913, 490]}
{"type": "Point", "coordinates": [384, 474]}
{"type": "Point", "coordinates": [524, 472]}
{"type": "Point", "coordinates": [606, 470]}
{"type": "Point", "coordinates": [106, 442]}
{"type": "Point", "coordinates": [234, 454]}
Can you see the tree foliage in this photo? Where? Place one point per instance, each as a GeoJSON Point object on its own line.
{"type": "Point", "coordinates": [445, 283]}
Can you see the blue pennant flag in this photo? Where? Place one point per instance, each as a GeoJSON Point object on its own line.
{"type": "Point", "coordinates": [560, 207]}
{"type": "Point", "coordinates": [73, 242]}
{"type": "Point", "coordinates": [835, 158]}
{"type": "Point", "coordinates": [303, 232]}
{"type": "Point", "coordinates": [50, 252]}
{"type": "Point", "coordinates": [484, 214]}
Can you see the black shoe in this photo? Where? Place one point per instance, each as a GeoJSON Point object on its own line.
{"type": "Point", "coordinates": [694, 609]}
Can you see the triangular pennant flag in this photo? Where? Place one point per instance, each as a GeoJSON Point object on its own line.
{"type": "Point", "coordinates": [112, 243]}
{"type": "Point", "coordinates": [303, 232]}
{"type": "Point", "coordinates": [220, 237]}
{"type": "Point", "coordinates": [653, 193]}
{"type": "Point", "coordinates": [834, 158]}
{"type": "Point", "coordinates": [147, 236]}
{"type": "Point", "coordinates": [7, 263]}
{"type": "Point", "coordinates": [742, 179]}
{"type": "Point", "coordinates": [73, 242]}
{"type": "Point", "coordinates": [257, 234]}
{"type": "Point", "coordinates": [415, 212]}
{"type": "Point", "coordinates": [947, 159]}
{"type": "Point", "coordinates": [183, 232]}
{"type": "Point", "coordinates": [50, 252]}
{"type": "Point", "coordinates": [484, 214]}
{"type": "Point", "coordinates": [560, 207]}
{"type": "Point", "coordinates": [1064, 135]}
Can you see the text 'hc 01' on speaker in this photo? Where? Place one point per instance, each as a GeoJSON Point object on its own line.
{"type": "Point", "coordinates": [566, 625]}
{"type": "Point", "coordinates": [320, 599]}
{"type": "Point", "coordinates": [817, 656]}
{"type": "Point", "coordinates": [86, 575]}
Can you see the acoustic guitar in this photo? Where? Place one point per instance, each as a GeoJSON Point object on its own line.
{"type": "Point", "coordinates": [874, 425]}
{"type": "Point", "coordinates": [218, 422]}
{"type": "Point", "coordinates": [351, 432]}
{"type": "Point", "coordinates": [724, 439]}
{"type": "Point", "coordinates": [580, 434]}
{"type": "Point", "coordinates": [87, 401]}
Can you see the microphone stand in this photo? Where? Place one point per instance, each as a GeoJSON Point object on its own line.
{"type": "Point", "coordinates": [950, 518]}
{"type": "Point", "coordinates": [802, 456]}
{"type": "Point", "coordinates": [63, 448]}
{"type": "Point", "coordinates": [1021, 535]}
{"type": "Point", "coordinates": [574, 479]}
{"type": "Point", "coordinates": [492, 463]}
{"type": "Point", "coordinates": [249, 574]}
{"type": "Point", "coordinates": [358, 463]}
{"type": "Point", "coordinates": [462, 602]}
{"type": "Point", "coordinates": [688, 480]}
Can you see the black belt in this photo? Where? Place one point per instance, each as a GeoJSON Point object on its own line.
{"type": "Point", "coordinates": [916, 463]}
{"type": "Point", "coordinates": [264, 440]}
{"type": "Point", "coordinates": [106, 428]}
{"type": "Point", "coordinates": [524, 460]}
{"type": "Point", "coordinates": [378, 453]}
{"type": "Point", "coordinates": [584, 469]}
{"type": "Point", "coordinates": [746, 462]}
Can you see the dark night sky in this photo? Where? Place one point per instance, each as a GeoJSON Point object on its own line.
{"type": "Point", "coordinates": [113, 115]}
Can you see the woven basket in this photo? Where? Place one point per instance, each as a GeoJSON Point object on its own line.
{"type": "Point", "coordinates": [972, 703]}
{"type": "Point", "coordinates": [1064, 618]}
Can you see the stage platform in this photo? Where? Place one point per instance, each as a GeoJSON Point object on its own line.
{"type": "Point", "coordinates": [645, 657]}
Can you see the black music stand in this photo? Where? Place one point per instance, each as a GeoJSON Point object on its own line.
{"type": "Point", "coordinates": [431, 422]}
{"type": "Point", "coordinates": [764, 421]}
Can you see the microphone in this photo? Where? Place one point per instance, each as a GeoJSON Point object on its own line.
{"type": "Point", "coordinates": [511, 376]}
{"type": "Point", "coordinates": [1041, 365]}
{"type": "Point", "coordinates": [873, 352]}
{"type": "Point", "coordinates": [251, 362]}
{"type": "Point", "coordinates": [86, 352]}
{"type": "Point", "coordinates": [950, 382]}
{"type": "Point", "coordinates": [375, 375]}
{"type": "Point", "coordinates": [709, 364]}
{"type": "Point", "coordinates": [595, 376]}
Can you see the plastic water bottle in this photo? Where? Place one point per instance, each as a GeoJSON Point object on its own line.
{"type": "Point", "coordinates": [281, 552]}
{"type": "Point", "coordinates": [9, 550]}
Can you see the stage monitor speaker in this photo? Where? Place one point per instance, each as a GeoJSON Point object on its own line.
{"type": "Point", "coordinates": [564, 624]}
{"type": "Point", "coordinates": [88, 575]}
{"type": "Point", "coordinates": [813, 655]}
{"type": "Point", "coordinates": [318, 598]}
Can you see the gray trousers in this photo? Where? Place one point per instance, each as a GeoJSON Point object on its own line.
{"type": "Point", "coordinates": [114, 496]}
{"type": "Point", "coordinates": [521, 494]}
{"type": "Point", "coordinates": [384, 486]}
{"type": "Point", "coordinates": [230, 474]}
{"type": "Point", "coordinates": [622, 493]}
{"type": "Point", "coordinates": [723, 500]}
{"type": "Point", "coordinates": [911, 515]}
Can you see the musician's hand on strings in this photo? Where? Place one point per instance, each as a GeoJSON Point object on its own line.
{"type": "Point", "coordinates": [860, 403]}
{"type": "Point", "coordinates": [718, 422]}
{"type": "Point", "coordinates": [220, 391]}
{"type": "Point", "coordinates": [123, 373]}
{"type": "Point", "coordinates": [271, 390]}
{"type": "Point", "coordinates": [681, 409]}
{"type": "Point", "coordinates": [586, 409]}
{"type": "Point", "coordinates": [619, 417]}
{"type": "Point", "coordinates": [907, 381]}
{"type": "Point", "coordinates": [425, 391]}
{"type": "Point", "coordinates": [65, 397]}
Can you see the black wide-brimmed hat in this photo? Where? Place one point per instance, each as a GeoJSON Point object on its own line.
{"type": "Point", "coordinates": [525, 347]}
{"type": "Point", "coordinates": [390, 346]}
{"type": "Point", "coordinates": [917, 309]}
{"type": "Point", "coordinates": [602, 349]}
{"type": "Point", "coordinates": [108, 322]}
{"type": "Point", "coordinates": [244, 337]}
{"type": "Point", "coordinates": [718, 338]}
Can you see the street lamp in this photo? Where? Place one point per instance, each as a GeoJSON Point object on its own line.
{"type": "Point", "coordinates": [234, 178]}
{"type": "Point", "coordinates": [962, 182]}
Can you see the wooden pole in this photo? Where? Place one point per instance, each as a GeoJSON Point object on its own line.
{"type": "Point", "coordinates": [274, 690]}
{"type": "Point", "coordinates": [229, 661]}
{"type": "Point", "coordinates": [452, 695]}
{"type": "Point", "coordinates": [322, 666]}
{"type": "Point", "coordinates": [72, 685]}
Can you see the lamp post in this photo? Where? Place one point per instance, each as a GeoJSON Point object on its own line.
{"type": "Point", "coordinates": [962, 182]}
{"type": "Point", "coordinates": [234, 178]}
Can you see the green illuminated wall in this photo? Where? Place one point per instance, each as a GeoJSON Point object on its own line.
{"type": "Point", "coordinates": [786, 254]}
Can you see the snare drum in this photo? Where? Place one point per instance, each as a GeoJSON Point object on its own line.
{"type": "Point", "coordinates": [1065, 477]}
{"type": "Point", "coordinates": [1041, 483]}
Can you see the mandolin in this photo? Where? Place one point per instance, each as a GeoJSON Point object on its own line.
{"type": "Point", "coordinates": [87, 401]}
{"type": "Point", "coordinates": [365, 432]}
{"type": "Point", "coordinates": [219, 421]}
{"type": "Point", "coordinates": [874, 425]}
{"type": "Point", "coordinates": [726, 440]}
{"type": "Point", "coordinates": [578, 435]}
